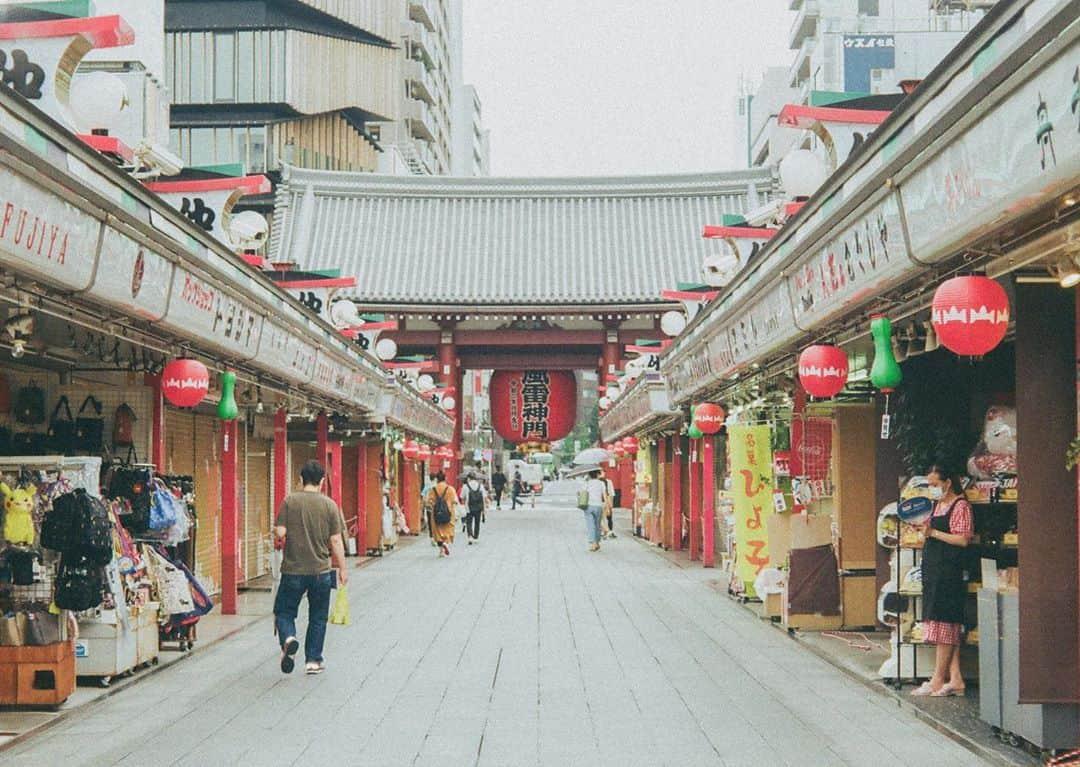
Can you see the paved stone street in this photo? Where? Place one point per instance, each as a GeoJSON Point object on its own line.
{"type": "Point", "coordinates": [524, 650]}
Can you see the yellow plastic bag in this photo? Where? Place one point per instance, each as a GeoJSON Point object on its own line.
{"type": "Point", "coordinates": [339, 614]}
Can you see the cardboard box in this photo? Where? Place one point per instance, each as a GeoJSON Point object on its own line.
{"type": "Point", "coordinates": [810, 530]}
{"type": "Point", "coordinates": [779, 530]}
{"type": "Point", "coordinates": [812, 622]}
{"type": "Point", "coordinates": [773, 606]}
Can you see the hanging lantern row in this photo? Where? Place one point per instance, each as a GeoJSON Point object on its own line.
{"type": "Point", "coordinates": [630, 445]}
{"type": "Point", "coordinates": [970, 315]}
{"type": "Point", "coordinates": [423, 453]}
{"type": "Point", "coordinates": [410, 450]}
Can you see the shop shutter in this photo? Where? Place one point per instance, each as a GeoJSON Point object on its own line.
{"type": "Point", "coordinates": [299, 454]}
{"type": "Point", "coordinates": [207, 473]}
{"type": "Point", "coordinates": [256, 507]}
{"type": "Point", "coordinates": [179, 443]}
{"type": "Point", "coordinates": [349, 500]}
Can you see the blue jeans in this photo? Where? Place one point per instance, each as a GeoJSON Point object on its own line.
{"type": "Point", "coordinates": [290, 591]}
{"type": "Point", "coordinates": [592, 523]}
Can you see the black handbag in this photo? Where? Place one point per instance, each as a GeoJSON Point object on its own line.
{"type": "Point", "coordinates": [79, 585]}
{"type": "Point", "coordinates": [62, 428]}
{"type": "Point", "coordinates": [89, 428]}
{"type": "Point", "coordinates": [133, 485]}
{"type": "Point", "coordinates": [59, 528]}
{"type": "Point", "coordinates": [30, 443]}
{"type": "Point", "coordinates": [30, 405]}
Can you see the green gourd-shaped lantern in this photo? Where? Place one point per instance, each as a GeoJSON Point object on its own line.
{"type": "Point", "coordinates": [227, 409]}
{"type": "Point", "coordinates": [885, 373]}
{"type": "Point", "coordinates": [694, 432]}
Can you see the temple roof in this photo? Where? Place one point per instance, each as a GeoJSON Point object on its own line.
{"type": "Point", "coordinates": [442, 241]}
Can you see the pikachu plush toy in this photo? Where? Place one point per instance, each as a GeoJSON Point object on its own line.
{"type": "Point", "coordinates": [18, 521]}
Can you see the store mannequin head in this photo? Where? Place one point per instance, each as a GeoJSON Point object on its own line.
{"type": "Point", "coordinates": [312, 475]}
{"type": "Point", "coordinates": [943, 482]}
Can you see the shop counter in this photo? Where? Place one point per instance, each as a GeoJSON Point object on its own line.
{"type": "Point", "coordinates": [37, 676]}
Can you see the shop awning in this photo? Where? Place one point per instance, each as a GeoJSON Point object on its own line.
{"type": "Point", "coordinates": [645, 404]}
{"type": "Point", "coordinates": [91, 243]}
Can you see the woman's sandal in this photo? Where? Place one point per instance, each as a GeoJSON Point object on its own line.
{"type": "Point", "coordinates": [924, 690]}
{"type": "Point", "coordinates": [949, 691]}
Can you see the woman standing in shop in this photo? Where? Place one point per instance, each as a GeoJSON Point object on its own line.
{"type": "Point", "coordinates": [947, 533]}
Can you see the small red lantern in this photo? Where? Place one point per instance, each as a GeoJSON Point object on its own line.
{"type": "Point", "coordinates": [410, 450]}
{"type": "Point", "coordinates": [709, 417]}
{"type": "Point", "coordinates": [970, 315]}
{"type": "Point", "coordinates": [423, 452]}
{"type": "Point", "coordinates": [185, 382]}
{"type": "Point", "coordinates": [630, 445]}
{"type": "Point", "coordinates": [445, 452]}
{"type": "Point", "coordinates": [823, 370]}
{"type": "Point", "coordinates": [617, 450]}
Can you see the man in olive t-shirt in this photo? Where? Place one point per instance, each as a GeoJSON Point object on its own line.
{"type": "Point", "coordinates": [310, 523]}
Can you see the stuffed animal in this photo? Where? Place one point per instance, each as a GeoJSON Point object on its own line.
{"type": "Point", "coordinates": [996, 452]}
{"type": "Point", "coordinates": [18, 518]}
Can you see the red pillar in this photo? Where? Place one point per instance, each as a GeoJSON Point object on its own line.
{"type": "Point", "coordinates": [708, 498]}
{"type": "Point", "coordinates": [333, 468]}
{"type": "Point", "coordinates": [798, 425]}
{"type": "Point", "coordinates": [666, 451]}
{"type": "Point", "coordinates": [281, 467]}
{"type": "Point", "coordinates": [695, 499]}
{"type": "Point", "coordinates": [322, 444]}
{"type": "Point", "coordinates": [411, 502]}
{"type": "Point", "coordinates": [230, 505]}
{"type": "Point", "coordinates": [157, 426]}
{"type": "Point", "coordinates": [361, 499]}
{"type": "Point", "coordinates": [450, 375]}
{"type": "Point", "coordinates": [678, 445]}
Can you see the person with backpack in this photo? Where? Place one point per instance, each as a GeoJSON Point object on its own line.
{"type": "Point", "coordinates": [310, 524]}
{"type": "Point", "coordinates": [443, 501]}
{"type": "Point", "coordinates": [475, 496]}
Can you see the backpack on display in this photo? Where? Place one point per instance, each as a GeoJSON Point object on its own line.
{"type": "Point", "coordinates": [59, 528]}
{"type": "Point", "coordinates": [79, 584]}
{"type": "Point", "coordinates": [476, 500]}
{"type": "Point", "coordinates": [62, 428]}
{"type": "Point", "coordinates": [89, 427]}
{"type": "Point", "coordinates": [30, 405]}
{"type": "Point", "coordinates": [134, 486]}
{"type": "Point", "coordinates": [94, 539]}
{"type": "Point", "coordinates": [124, 430]}
{"type": "Point", "coordinates": [442, 509]}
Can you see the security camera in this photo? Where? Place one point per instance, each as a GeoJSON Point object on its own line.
{"type": "Point", "coordinates": [159, 159]}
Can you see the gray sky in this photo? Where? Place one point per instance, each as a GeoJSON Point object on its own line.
{"type": "Point", "coordinates": [588, 87]}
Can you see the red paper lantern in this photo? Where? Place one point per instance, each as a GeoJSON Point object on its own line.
{"type": "Point", "coordinates": [970, 315]}
{"type": "Point", "coordinates": [823, 370]}
{"type": "Point", "coordinates": [185, 382]}
{"type": "Point", "coordinates": [709, 417]}
{"type": "Point", "coordinates": [423, 452]}
{"type": "Point", "coordinates": [445, 452]}
{"type": "Point", "coordinates": [533, 405]}
{"type": "Point", "coordinates": [410, 450]}
{"type": "Point", "coordinates": [630, 445]}
{"type": "Point", "coordinates": [617, 450]}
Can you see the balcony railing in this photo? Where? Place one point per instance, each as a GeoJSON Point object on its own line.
{"type": "Point", "coordinates": [420, 121]}
{"type": "Point", "coordinates": [424, 12]}
{"type": "Point", "coordinates": [800, 68]}
{"type": "Point", "coordinates": [805, 23]}
{"type": "Point", "coordinates": [420, 84]}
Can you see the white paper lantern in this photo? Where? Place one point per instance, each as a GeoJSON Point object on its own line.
{"type": "Point", "coordinates": [386, 349]}
{"type": "Point", "coordinates": [605, 402]}
{"type": "Point", "coordinates": [97, 99]}
{"type": "Point", "coordinates": [802, 173]}
{"type": "Point", "coordinates": [449, 403]}
{"type": "Point", "coordinates": [673, 323]}
{"type": "Point", "coordinates": [425, 383]}
{"type": "Point", "coordinates": [344, 314]}
{"type": "Point", "coordinates": [248, 229]}
{"type": "Point", "coordinates": [613, 391]}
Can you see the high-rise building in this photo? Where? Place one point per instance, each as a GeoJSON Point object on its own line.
{"type": "Point", "coordinates": [261, 82]}
{"type": "Point", "coordinates": [471, 152]}
{"type": "Point", "coordinates": [419, 140]}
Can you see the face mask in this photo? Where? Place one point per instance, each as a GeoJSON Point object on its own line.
{"type": "Point", "coordinates": [936, 493]}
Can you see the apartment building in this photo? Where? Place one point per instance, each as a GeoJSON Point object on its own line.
{"type": "Point", "coordinates": [261, 82]}
{"type": "Point", "coordinates": [472, 149]}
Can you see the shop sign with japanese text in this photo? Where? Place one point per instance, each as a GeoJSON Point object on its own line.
{"type": "Point", "coordinates": [284, 353]}
{"type": "Point", "coordinates": [750, 451]}
{"type": "Point", "coordinates": [202, 311]}
{"type": "Point", "coordinates": [132, 277]}
{"type": "Point", "coordinates": [762, 328]}
{"type": "Point", "coordinates": [1024, 150]}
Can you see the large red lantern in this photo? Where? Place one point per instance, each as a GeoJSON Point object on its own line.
{"type": "Point", "coordinates": [616, 449]}
{"type": "Point", "coordinates": [970, 315]}
{"type": "Point", "coordinates": [185, 382]}
{"type": "Point", "coordinates": [533, 405]}
{"type": "Point", "coordinates": [423, 452]}
{"type": "Point", "coordinates": [709, 417]}
{"type": "Point", "coordinates": [630, 445]}
{"type": "Point", "coordinates": [823, 370]}
{"type": "Point", "coordinates": [445, 452]}
{"type": "Point", "coordinates": [410, 450]}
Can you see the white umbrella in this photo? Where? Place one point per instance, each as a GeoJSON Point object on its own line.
{"type": "Point", "coordinates": [593, 455]}
{"type": "Point", "coordinates": [581, 471]}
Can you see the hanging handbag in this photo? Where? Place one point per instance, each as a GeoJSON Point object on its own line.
{"type": "Point", "coordinates": [173, 587]}
{"type": "Point", "coordinates": [62, 428]}
{"type": "Point", "coordinates": [133, 485]}
{"type": "Point", "coordinates": [30, 405]}
{"type": "Point", "coordinates": [10, 635]}
{"type": "Point", "coordinates": [90, 427]}
{"type": "Point", "coordinates": [163, 508]}
{"type": "Point", "coordinates": [30, 443]}
{"type": "Point", "coordinates": [124, 426]}
{"type": "Point", "coordinates": [79, 585]}
{"type": "Point", "coordinates": [583, 499]}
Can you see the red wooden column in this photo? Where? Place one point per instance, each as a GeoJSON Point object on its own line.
{"type": "Point", "coordinates": [281, 461]}
{"type": "Point", "coordinates": [230, 506]}
{"type": "Point", "coordinates": [678, 458]}
{"type": "Point", "coordinates": [333, 464]}
{"type": "Point", "coordinates": [798, 425]}
{"type": "Point", "coordinates": [695, 499]}
{"type": "Point", "coordinates": [708, 498]}
{"type": "Point", "coordinates": [322, 444]}
{"type": "Point", "coordinates": [450, 374]}
{"type": "Point", "coordinates": [157, 426]}
{"type": "Point", "coordinates": [411, 503]}
{"type": "Point", "coordinates": [361, 499]}
{"type": "Point", "coordinates": [662, 498]}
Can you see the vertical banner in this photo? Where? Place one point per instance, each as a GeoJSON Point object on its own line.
{"type": "Point", "coordinates": [752, 489]}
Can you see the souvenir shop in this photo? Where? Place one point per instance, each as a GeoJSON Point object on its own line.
{"type": "Point", "coordinates": [151, 392]}
{"type": "Point", "coordinates": [926, 314]}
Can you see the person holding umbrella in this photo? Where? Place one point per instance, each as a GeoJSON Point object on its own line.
{"type": "Point", "coordinates": [596, 489]}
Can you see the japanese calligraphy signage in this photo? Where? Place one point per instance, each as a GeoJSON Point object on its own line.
{"type": "Point", "coordinates": [220, 319]}
{"type": "Point", "coordinates": [533, 404]}
{"type": "Point", "coordinates": [752, 488]}
{"type": "Point", "coordinates": [862, 55]}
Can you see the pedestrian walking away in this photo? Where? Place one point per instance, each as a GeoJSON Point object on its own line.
{"type": "Point", "coordinates": [310, 525]}
{"type": "Point", "coordinates": [516, 489]}
{"type": "Point", "coordinates": [443, 501]}
{"type": "Point", "coordinates": [597, 492]}
{"type": "Point", "coordinates": [609, 506]}
{"type": "Point", "coordinates": [475, 496]}
{"type": "Point", "coordinates": [498, 484]}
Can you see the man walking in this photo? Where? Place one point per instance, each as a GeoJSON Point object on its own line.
{"type": "Point", "coordinates": [516, 489]}
{"type": "Point", "coordinates": [310, 524]}
{"type": "Point", "coordinates": [474, 494]}
{"type": "Point", "coordinates": [498, 484]}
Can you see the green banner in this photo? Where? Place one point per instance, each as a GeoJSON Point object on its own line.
{"type": "Point", "coordinates": [752, 489]}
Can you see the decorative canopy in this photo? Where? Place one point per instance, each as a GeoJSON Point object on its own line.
{"type": "Point", "coordinates": [442, 241]}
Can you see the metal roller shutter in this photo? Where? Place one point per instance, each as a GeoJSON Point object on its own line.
{"type": "Point", "coordinates": [207, 475]}
{"type": "Point", "coordinates": [256, 529]}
